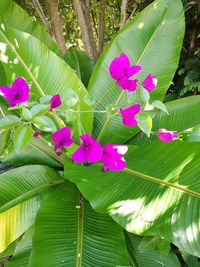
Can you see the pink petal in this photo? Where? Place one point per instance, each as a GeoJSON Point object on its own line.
{"type": "Point", "coordinates": [36, 134]}
{"type": "Point", "coordinates": [134, 109]}
{"type": "Point", "coordinates": [89, 150]}
{"type": "Point", "coordinates": [55, 102]}
{"type": "Point", "coordinates": [62, 138]}
{"type": "Point", "coordinates": [79, 155]}
{"type": "Point", "coordinates": [116, 71]}
{"type": "Point", "coordinates": [118, 66]}
{"type": "Point", "coordinates": [5, 90]}
{"type": "Point", "coordinates": [124, 61]}
{"type": "Point", "coordinates": [149, 83]}
{"type": "Point", "coordinates": [18, 93]}
{"type": "Point", "coordinates": [111, 159]}
{"type": "Point", "coordinates": [20, 86]}
{"type": "Point", "coordinates": [128, 115]}
{"type": "Point", "coordinates": [132, 71]}
{"type": "Point", "coordinates": [167, 136]}
{"type": "Point", "coordinates": [129, 121]}
{"type": "Point", "coordinates": [123, 83]}
{"type": "Point", "coordinates": [132, 85]}
{"type": "Point", "coordinates": [20, 83]}
{"type": "Point", "coordinates": [59, 153]}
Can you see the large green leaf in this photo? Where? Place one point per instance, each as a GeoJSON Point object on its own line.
{"type": "Point", "coordinates": [79, 61]}
{"type": "Point", "coordinates": [16, 220]}
{"type": "Point", "coordinates": [22, 252]}
{"type": "Point", "coordinates": [14, 16]}
{"type": "Point", "coordinates": [21, 190]}
{"type": "Point", "coordinates": [183, 114]}
{"type": "Point", "coordinates": [157, 194]}
{"type": "Point", "coordinates": [10, 250]}
{"type": "Point", "coordinates": [2, 75]}
{"type": "Point", "coordinates": [152, 39]}
{"type": "Point", "coordinates": [46, 72]}
{"type": "Point", "coordinates": [38, 152]}
{"type": "Point", "coordinates": [190, 260]}
{"type": "Point", "coordinates": [151, 258]}
{"type": "Point", "coordinates": [69, 233]}
{"type": "Point", "coordinates": [25, 182]}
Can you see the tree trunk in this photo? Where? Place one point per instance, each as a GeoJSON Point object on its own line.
{"type": "Point", "coordinates": [56, 23]}
{"type": "Point", "coordinates": [123, 13]}
{"type": "Point", "coordinates": [82, 11]}
{"type": "Point", "coordinates": [101, 26]}
{"type": "Point", "coordinates": [41, 14]}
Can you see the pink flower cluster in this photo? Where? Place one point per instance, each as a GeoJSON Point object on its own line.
{"type": "Point", "coordinates": [19, 93]}
{"type": "Point", "coordinates": [91, 151]}
{"type": "Point", "coordinates": [122, 71]}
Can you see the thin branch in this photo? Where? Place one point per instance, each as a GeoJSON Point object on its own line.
{"type": "Point", "coordinates": [56, 23]}
{"type": "Point", "coordinates": [93, 22]}
{"type": "Point", "coordinates": [102, 13]}
{"type": "Point", "coordinates": [41, 14]}
{"type": "Point", "coordinates": [132, 13]}
{"type": "Point", "coordinates": [123, 13]}
{"type": "Point", "coordinates": [81, 8]}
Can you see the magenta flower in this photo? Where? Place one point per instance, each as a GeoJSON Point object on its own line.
{"type": "Point", "coordinates": [112, 158]}
{"type": "Point", "coordinates": [129, 85]}
{"type": "Point", "coordinates": [167, 136]}
{"type": "Point", "coordinates": [55, 102]}
{"type": "Point", "coordinates": [128, 115]}
{"type": "Point", "coordinates": [90, 150]}
{"type": "Point", "coordinates": [18, 93]}
{"type": "Point", "coordinates": [62, 138]}
{"type": "Point", "coordinates": [121, 70]}
{"type": "Point", "coordinates": [59, 153]}
{"type": "Point", "coordinates": [36, 134]}
{"type": "Point", "coordinates": [150, 82]}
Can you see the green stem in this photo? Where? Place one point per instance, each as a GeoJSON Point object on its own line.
{"type": "Point", "coordinates": [80, 232]}
{"type": "Point", "coordinates": [80, 126]}
{"type": "Point", "coordinates": [83, 111]}
{"type": "Point", "coordinates": [1, 110]}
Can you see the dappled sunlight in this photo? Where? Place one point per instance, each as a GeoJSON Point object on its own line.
{"type": "Point", "coordinates": [192, 230]}
{"type": "Point", "coordinates": [3, 58]}
{"type": "Point", "coordinates": [36, 71]}
{"type": "Point", "coordinates": [155, 5]}
{"type": "Point", "coordinates": [141, 213]}
{"type": "Point", "coordinates": [174, 175]}
{"type": "Point", "coordinates": [3, 47]}
{"type": "Point", "coordinates": [26, 36]}
{"type": "Point", "coordinates": [140, 25]}
{"type": "Point", "coordinates": [16, 43]}
{"type": "Point", "coordinates": [126, 207]}
{"type": "Point", "coordinates": [3, 26]}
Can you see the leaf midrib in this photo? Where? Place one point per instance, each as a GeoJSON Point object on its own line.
{"type": "Point", "coordinates": [161, 182]}
{"type": "Point", "coordinates": [38, 147]}
{"type": "Point", "coordinates": [80, 232]}
{"type": "Point", "coordinates": [28, 195]}
{"type": "Point", "coordinates": [138, 62]}
{"type": "Point", "coordinates": [23, 64]}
